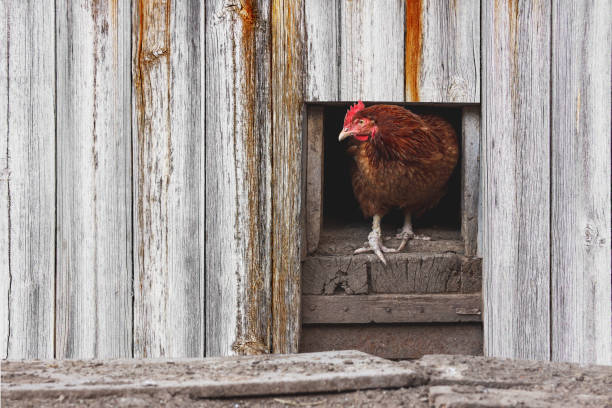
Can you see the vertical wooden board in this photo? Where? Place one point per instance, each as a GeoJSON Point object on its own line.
{"type": "Point", "coordinates": [314, 178]}
{"type": "Point", "coordinates": [515, 171]}
{"type": "Point", "coordinates": [167, 144]}
{"type": "Point", "coordinates": [94, 254]}
{"type": "Point", "coordinates": [238, 191]}
{"type": "Point", "coordinates": [442, 51]}
{"type": "Point", "coordinates": [27, 179]}
{"type": "Point", "coordinates": [580, 234]}
{"type": "Point", "coordinates": [322, 34]}
{"type": "Point", "coordinates": [287, 30]}
{"type": "Point", "coordinates": [372, 50]}
{"type": "Point", "coordinates": [470, 178]}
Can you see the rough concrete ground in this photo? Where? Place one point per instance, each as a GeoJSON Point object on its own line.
{"type": "Point", "coordinates": [330, 379]}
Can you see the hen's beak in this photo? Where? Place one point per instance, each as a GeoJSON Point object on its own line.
{"type": "Point", "coordinates": [344, 134]}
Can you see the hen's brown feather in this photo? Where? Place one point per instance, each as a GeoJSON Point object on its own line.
{"type": "Point", "coordinates": [406, 164]}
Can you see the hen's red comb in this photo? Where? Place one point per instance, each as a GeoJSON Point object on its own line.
{"type": "Point", "coordinates": [352, 111]}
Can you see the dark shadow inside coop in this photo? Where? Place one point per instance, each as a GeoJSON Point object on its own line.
{"type": "Point", "coordinates": [340, 207]}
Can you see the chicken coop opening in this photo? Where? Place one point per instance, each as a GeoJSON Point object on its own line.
{"type": "Point", "coordinates": [342, 218]}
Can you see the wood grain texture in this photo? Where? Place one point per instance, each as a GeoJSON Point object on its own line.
{"type": "Point", "coordinates": [515, 162]}
{"type": "Point", "coordinates": [314, 178]}
{"type": "Point", "coordinates": [445, 308]}
{"type": "Point", "coordinates": [94, 254]}
{"type": "Point", "coordinates": [470, 178]}
{"type": "Point", "coordinates": [287, 31]}
{"type": "Point", "coordinates": [395, 341]}
{"type": "Point", "coordinates": [167, 151]}
{"type": "Point", "coordinates": [580, 219]}
{"type": "Point", "coordinates": [27, 179]}
{"type": "Point", "coordinates": [238, 174]}
{"type": "Point", "coordinates": [371, 50]}
{"type": "Point", "coordinates": [323, 40]}
{"type": "Point", "coordinates": [442, 51]}
{"type": "Point", "coordinates": [405, 273]}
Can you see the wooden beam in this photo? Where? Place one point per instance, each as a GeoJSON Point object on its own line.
{"type": "Point", "coordinates": [515, 170]}
{"type": "Point", "coordinates": [341, 309]}
{"type": "Point", "coordinates": [94, 214]}
{"type": "Point", "coordinates": [287, 26]}
{"type": "Point", "coordinates": [167, 157]}
{"type": "Point", "coordinates": [395, 341]}
{"type": "Point", "coordinates": [580, 218]}
{"type": "Point", "coordinates": [323, 41]}
{"type": "Point", "coordinates": [371, 51]}
{"type": "Point", "coordinates": [314, 178]}
{"type": "Point", "coordinates": [442, 51]}
{"type": "Point", "coordinates": [470, 178]}
{"type": "Point", "coordinates": [27, 179]}
{"type": "Point", "coordinates": [238, 177]}
{"type": "Point", "coordinates": [405, 273]}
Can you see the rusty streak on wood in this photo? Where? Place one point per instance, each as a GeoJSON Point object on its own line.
{"type": "Point", "coordinates": [238, 151]}
{"type": "Point", "coordinates": [152, 57]}
{"type": "Point", "coordinates": [413, 44]}
{"type": "Point", "coordinates": [253, 330]}
{"type": "Point", "coordinates": [287, 102]}
{"type": "Point", "coordinates": [168, 317]}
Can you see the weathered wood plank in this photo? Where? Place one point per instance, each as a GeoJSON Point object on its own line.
{"type": "Point", "coordinates": [442, 46]}
{"type": "Point", "coordinates": [580, 219]}
{"type": "Point", "coordinates": [405, 273]}
{"type": "Point", "coordinates": [417, 273]}
{"type": "Point", "coordinates": [314, 178]}
{"type": "Point", "coordinates": [515, 161]}
{"type": "Point", "coordinates": [395, 341]}
{"type": "Point", "coordinates": [322, 33]}
{"type": "Point", "coordinates": [343, 239]}
{"type": "Point", "coordinates": [238, 218]}
{"type": "Point", "coordinates": [27, 179]}
{"type": "Point", "coordinates": [197, 379]}
{"type": "Point", "coordinates": [326, 275]}
{"type": "Point", "coordinates": [287, 30]}
{"type": "Point", "coordinates": [371, 50]}
{"type": "Point", "coordinates": [470, 178]}
{"type": "Point", "coordinates": [340, 309]}
{"type": "Point", "coordinates": [94, 254]}
{"type": "Point", "coordinates": [167, 146]}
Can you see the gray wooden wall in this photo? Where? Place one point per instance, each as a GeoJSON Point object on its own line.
{"type": "Point", "coordinates": [150, 164]}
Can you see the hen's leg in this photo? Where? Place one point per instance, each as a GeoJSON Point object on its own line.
{"type": "Point", "coordinates": [375, 242]}
{"type": "Point", "coordinates": [407, 234]}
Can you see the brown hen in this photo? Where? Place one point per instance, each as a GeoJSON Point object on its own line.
{"type": "Point", "coordinates": [402, 160]}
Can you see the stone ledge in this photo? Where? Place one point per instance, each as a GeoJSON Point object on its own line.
{"type": "Point", "coordinates": [344, 378]}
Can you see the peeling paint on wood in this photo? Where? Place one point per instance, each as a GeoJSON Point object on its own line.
{"type": "Point", "coordinates": [27, 179]}
{"type": "Point", "coordinates": [287, 103]}
{"type": "Point", "coordinates": [167, 146]}
{"type": "Point", "coordinates": [94, 254]}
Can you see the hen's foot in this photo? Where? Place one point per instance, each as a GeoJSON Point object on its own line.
{"type": "Point", "coordinates": [407, 235]}
{"type": "Point", "coordinates": [375, 244]}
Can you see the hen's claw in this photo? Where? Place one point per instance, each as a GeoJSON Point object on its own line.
{"type": "Point", "coordinates": [375, 244]}
{"type": "Point", "coordinates": [406, 236]}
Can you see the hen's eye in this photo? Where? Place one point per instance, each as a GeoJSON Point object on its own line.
{"type": "Point", "coordinates": [361, 122]}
